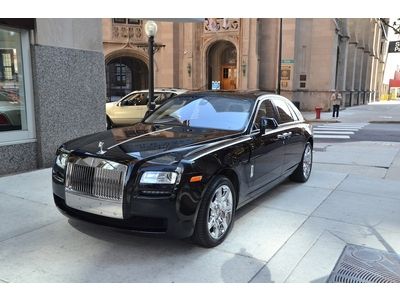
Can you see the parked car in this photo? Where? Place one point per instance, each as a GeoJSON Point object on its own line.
{"type": "Point", "coordinates": [187, 168]}
{"type": "Point", "coordinates": [10, 111]}
{"type": "Point", "coordinates": [133, 107]}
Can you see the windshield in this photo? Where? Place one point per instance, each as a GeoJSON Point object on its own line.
{"type": "Point", "coordinates": [206, 112]}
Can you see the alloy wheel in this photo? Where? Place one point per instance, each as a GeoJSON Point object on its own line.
{"type": "Point", "coordinates": [307, 161]}
{"type": "Point", "coordinates": [220, 212]}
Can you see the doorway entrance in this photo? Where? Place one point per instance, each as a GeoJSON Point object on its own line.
{"type": "Point", "coordinates": [125, 74]}
{"type": "Point", "coordinates": [222, 65]}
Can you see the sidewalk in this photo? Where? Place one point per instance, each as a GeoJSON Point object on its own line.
{"type": "Point", "coordinates": [294, 233]}
{"type": "Point", "coordinates": [377, 112]}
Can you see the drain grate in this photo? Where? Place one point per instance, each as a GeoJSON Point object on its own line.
{"type": "Point", "coordinates": [363, 264]}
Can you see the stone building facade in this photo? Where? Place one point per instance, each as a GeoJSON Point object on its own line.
{"type": "Point", "coordinates": [318, 56]}
{"type": "Point", "coordinates": [52, 88]}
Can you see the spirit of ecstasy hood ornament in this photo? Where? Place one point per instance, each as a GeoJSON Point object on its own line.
{"type": "Point", "coordinates": [101, 151]}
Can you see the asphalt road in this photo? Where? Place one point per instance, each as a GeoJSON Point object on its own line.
{"type": "Point", "coordinates": [379, 132]}
{"type": "Point", "coordinates": [349, 132]}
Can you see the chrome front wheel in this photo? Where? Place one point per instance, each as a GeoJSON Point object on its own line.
{"type": "Point", "coordinates": [216, 213]}
{"type": "Point", "coordinates": [220, 212]}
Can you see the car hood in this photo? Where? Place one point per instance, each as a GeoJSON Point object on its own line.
{"type": "Point", "coordinates": [165, 143]}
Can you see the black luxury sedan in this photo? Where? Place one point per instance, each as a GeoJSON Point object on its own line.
{"type": "Point", "coordinates": [187, 167]}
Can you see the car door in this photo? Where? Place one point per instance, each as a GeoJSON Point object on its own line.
{"type": "Point", "coordinates": [131, 109]}
{"type": "Point", "coordinates": [267, 152]}
{"type": "Point", "coordinates": [294, 138]}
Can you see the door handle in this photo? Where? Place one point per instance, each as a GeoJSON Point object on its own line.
{"type": "Point", "coordinates": [284, 136]}
{"type": "Point", "coordinates": [287, 134]}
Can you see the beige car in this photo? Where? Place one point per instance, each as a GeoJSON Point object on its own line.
{"type": "Point", "coordinates": [132, 108]}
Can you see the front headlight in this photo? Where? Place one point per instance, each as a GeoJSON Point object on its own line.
{"type": "Point", "coordinates": [152, 177]}
{"type": "Point", "coordinates": [61, 159]}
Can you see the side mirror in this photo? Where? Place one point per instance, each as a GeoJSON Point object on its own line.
{"type": "Point", "coordinates": [267, 123]}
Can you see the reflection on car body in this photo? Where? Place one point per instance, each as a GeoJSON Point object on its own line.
{"type": "Point", "coordinates": [187, 168]}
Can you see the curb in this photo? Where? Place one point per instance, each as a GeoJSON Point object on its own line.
{"type": "Point", "coordinates": [384, 122]}
{"type": "Point", "coordinates": [321, 121]}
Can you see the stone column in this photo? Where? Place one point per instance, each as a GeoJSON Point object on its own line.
{"type": "Point", "coordinates": [366, 76]}
{"type": "Point", "coordinates": [350, 72]}
{"type": "Point", "coordinates": [365, 70]}
{"type": "Point", "coordinates": [250, 67]}
{"type": "Point", "coordinates": [357, 75]}
{"type": "Point", "coordinates": [342, 66]}
{"type": "Point", "coordinates": [268, 34]}
{"type": "Point", "coordinates": [374, 80]}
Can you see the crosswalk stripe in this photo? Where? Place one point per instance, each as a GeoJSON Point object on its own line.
{"type": "Point", "coordinates": [333, 132]}
{"type": "Point", "coordinates": [355, 127]}
{"type": "Point", "coordinates": [326, 136]}
{"type": "Point", "coordinates": [337, 131]}
{"type": "Point", "coordinates": [340, 129]}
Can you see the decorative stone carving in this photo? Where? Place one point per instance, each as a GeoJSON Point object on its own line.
{"type": "Point", "coordinates": [133, 33]}
{"type": "Point", "coordinates": [212, 25]}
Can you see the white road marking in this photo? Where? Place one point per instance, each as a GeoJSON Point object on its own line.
{"type": "Point", "coordinates": [337, 131]}
{"type": "Point", "coordinates": [326, 136]}
{"type": "Point", "coordinates": [341, 129]}
{"type": "Point", "coordinates": [333, 132]}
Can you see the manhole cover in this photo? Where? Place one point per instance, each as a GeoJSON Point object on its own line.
{"type": "Point", "coordinates": [363, 264]}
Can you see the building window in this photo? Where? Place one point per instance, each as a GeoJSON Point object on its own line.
{"type": "Point", "coordinates": [16, 101]}
{"type": "Point", "coordinates": [120, 74]}
{"type": "Point", "coordinates": [134, 21]}
{"type": "Point", "coordinates": [119, 21]}
{"type": "Point", "coordinates": [127, 21]}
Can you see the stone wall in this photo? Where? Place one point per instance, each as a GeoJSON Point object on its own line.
{"type": "Point", "coordinates": [69, 89]}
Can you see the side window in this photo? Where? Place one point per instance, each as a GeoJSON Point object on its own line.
{"type": "Point", "coordinates": [266, 109]}
{"type": "Point", "coordinates": [142, 99]}
{"type": "Point", "coordinates": [292, 110]}
{"type": "Point", "coordinates": [285, 116]}
{"type": "Point", "coordinates": [129, 101]}
{"type": "Point", "coordinates": [164, 97]}
{"type": "Point", "coordinates": [135, 99]}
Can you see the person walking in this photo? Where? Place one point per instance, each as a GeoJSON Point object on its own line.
{"type": "Point", "coordinates": [336, 99]}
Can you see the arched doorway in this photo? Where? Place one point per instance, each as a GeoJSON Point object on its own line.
{"type": "Point", "coordinates": [125, 74]}
{"type": "Point", "coordinates": [222, 65]}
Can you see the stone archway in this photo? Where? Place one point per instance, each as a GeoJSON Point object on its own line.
{"type": "Point", "coordinates": [125, 72]}
{"type": "Point", "coordinates": [221, 65]}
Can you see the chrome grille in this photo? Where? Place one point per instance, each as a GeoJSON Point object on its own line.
{"type": "Point", "coordinates": [96, 177]}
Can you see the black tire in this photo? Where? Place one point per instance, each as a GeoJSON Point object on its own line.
{"type": "Point", "coordinates": [204, 236]}
{"type": "Point", "coordinates": [302, 173]}
{"type": "Point", "coordinates": [109, 123]}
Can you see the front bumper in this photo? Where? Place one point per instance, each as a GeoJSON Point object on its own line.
{"type": "Point", "coordinates": [160, 215]}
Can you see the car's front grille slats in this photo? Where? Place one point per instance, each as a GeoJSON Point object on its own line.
{"type": "Point", "coordinates": [96, 181]}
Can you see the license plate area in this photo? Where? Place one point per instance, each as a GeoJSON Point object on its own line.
{"type": "Point", "coordinates": [94, 205]}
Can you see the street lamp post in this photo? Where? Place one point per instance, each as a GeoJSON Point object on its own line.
{"type": "Point", "coordinates": [151, 29]}
{"type": "Point", "coordinates": [278, 90]}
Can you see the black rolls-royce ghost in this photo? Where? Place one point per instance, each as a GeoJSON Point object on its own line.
{"type": "Point", "coordinates": [187, 167]}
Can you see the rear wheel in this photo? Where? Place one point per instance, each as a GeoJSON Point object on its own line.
{"type": "Point", "coordinates": [216, 213]}
{"type": "Point", "coordinates": [303, 170]}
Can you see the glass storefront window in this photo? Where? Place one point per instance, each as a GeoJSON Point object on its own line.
{"type": "Point", "coordinates": [16, 116]}
{"type": "Point", "coordinates": [12, 95]}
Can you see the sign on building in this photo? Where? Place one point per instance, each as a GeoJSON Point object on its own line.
{"type": "Point", "coordinates": [287, 74]}
{"type": "Point", "coordinates": [394, 47]}
{"type": "Point", "coordinates": [216, 85]}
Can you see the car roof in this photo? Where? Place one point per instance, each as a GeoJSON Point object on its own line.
{"type": "Point", "coordinates": [239, 94]}
{"type": "Point", "coordinates": [161, 89]}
